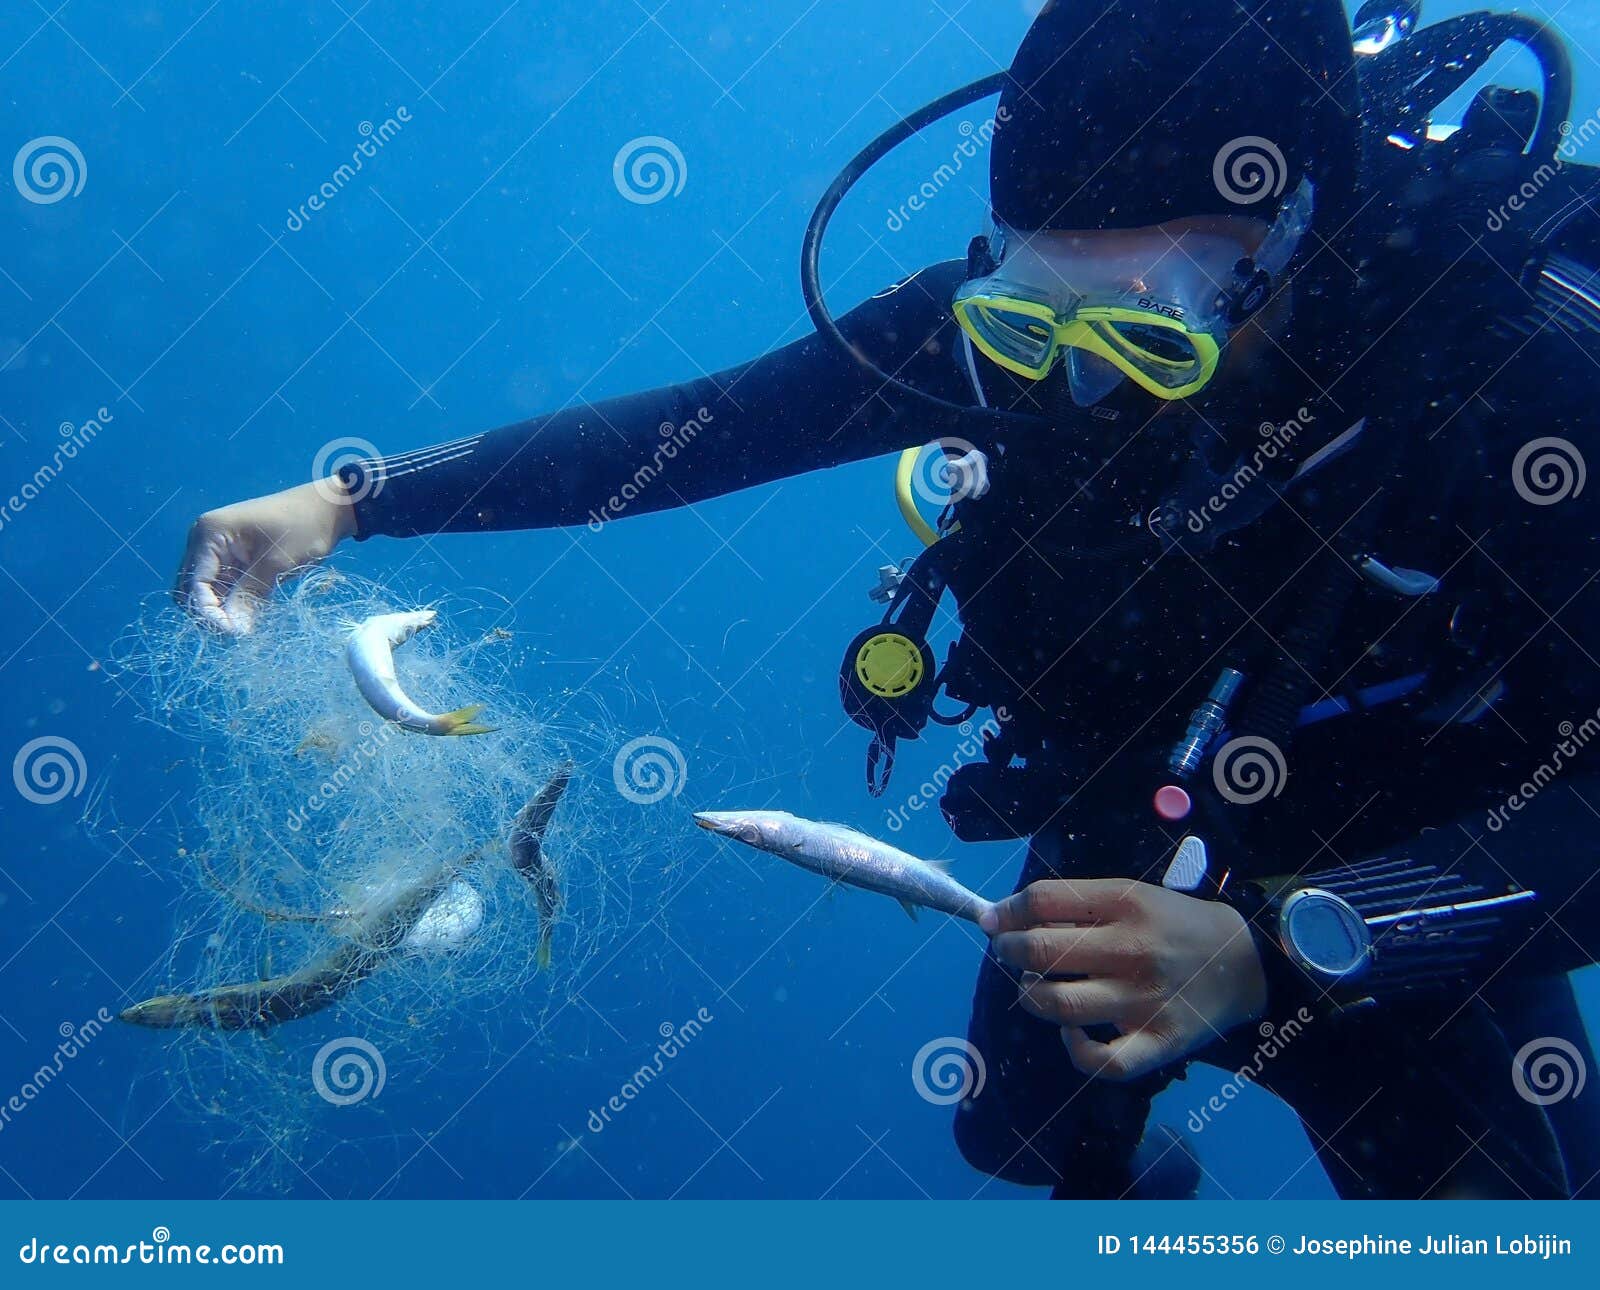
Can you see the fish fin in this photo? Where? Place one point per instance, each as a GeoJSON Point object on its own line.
{"type": "Point", "coordinates": [943, 866]}
{"type": "Point", "coordinates": [911, 910]}
{"type": "Point", "coordinates": [541, 956]}
{"type": "Point", "coordinates": [460, 722]}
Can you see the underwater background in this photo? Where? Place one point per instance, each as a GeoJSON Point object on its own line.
{"type": "Point", "coordinates": [493, 258]}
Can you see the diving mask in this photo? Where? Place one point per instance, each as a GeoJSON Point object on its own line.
{"type": "Point", "coordinates": [1117, 308]}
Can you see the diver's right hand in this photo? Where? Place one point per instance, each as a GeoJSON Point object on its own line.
{"type": "Point", "coordinates": [236, 554]}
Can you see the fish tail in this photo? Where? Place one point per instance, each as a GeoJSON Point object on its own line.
{"type": "Point", "coordinates": [461, 722]}
{"type": "Point", "coordinates": [541, 956]}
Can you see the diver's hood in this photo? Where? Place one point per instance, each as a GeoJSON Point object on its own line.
{"type": "Point", "coordinates": [1119, 116]}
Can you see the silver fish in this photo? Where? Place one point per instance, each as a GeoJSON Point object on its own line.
{"type": "Point", "coordinates": [370, 653]}
{"type": "Point", "coordinates": [846, 856]}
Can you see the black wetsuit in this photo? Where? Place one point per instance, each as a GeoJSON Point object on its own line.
{"type": "Point", "coordinates": [1101, 648]}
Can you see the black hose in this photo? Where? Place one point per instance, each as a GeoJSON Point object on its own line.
{"type": "Point", "coordinates": [935, 414]}
{"type": "Point", "coordinates": [1408, 81]}
{"type": "Point", "coordinates": [1555, 103]}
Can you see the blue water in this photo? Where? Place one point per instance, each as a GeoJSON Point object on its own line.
{"type": "Point", "coordinates": [484, 267]}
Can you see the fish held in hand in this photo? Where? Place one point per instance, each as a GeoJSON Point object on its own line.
{"type": "Point", "coordinates": [370, 653]}
{"type": "Point", "coordinates": [846, 856]}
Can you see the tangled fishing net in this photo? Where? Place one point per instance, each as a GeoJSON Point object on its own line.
{"type": "Point", "coordinates": [306, 809]}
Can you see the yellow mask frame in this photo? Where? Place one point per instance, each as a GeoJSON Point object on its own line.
{"type": "Point", "coordinates": [1038, 333]}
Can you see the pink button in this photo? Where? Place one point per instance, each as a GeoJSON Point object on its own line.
{"type": "Point", "coordinates": [1172, 803]}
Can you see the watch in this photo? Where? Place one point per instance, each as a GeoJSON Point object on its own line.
{"type": "Point", "coordinates": [1325, 936]}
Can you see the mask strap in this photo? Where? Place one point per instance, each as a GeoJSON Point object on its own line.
{"type": "Point", "coordinates": [1255, 276]}
{"type": "Point", "coordinates": [980, 258]}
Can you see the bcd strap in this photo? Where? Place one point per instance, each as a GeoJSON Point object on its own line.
{"type": "Point", "coordinates": [1271, 709]}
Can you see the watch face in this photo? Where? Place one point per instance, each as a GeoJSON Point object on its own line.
{"type": "Point", "coordinates": [1324, 934]}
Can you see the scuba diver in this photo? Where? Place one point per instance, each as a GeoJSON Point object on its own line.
{"type": "Point", "coordinates": [1264, 406]}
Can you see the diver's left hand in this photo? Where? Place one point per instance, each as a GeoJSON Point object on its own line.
{"type": "Point", "coordinates": [1170, 972]}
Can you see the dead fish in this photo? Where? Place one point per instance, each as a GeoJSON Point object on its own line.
{"type": "Point", "coordinates": [377, 931]}
{"type": "Point", "coordinates": [370, 653]}
{"type": "Point", "coordinates": [846, 856]}
{"type": "Point", "coordinates": [528, 858]}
